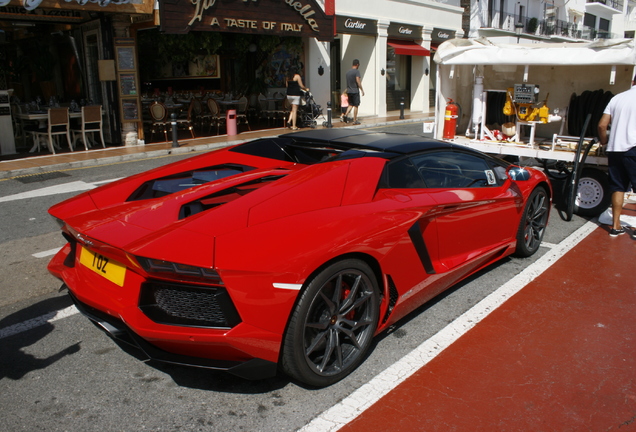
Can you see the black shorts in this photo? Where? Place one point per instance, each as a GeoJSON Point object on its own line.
{"type": "Point", "coordinates": [622, 170]}
{"type": "Point", "coordinates": [354, 99]}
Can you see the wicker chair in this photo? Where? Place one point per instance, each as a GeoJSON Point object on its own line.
{"type": "Point", "coordinates": [159, 116]}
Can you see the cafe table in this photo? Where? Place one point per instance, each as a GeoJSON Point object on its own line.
{"type": "Point", "coordinates": [228, 104]}
{"type": "Point", "coordinates": [42, 116]}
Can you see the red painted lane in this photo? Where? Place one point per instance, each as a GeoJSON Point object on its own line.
{"type": "Point", "coordinates": [558, 356]}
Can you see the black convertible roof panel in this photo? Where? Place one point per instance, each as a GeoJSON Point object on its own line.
{"type": "Point", "coordinates": [377, 141]}
{"type": "Point", "coordinates": [393, 142]}
{"type": "Point", "coordinates": [323, 135]}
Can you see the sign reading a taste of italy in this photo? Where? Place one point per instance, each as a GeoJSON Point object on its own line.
{"type": "Point", "coordinates": [277, 17]}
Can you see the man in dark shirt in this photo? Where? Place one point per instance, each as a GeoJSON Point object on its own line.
{"type": "Point", "coordinates": [354, 90]}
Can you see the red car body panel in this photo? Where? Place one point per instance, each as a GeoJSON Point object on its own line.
{"type": "Point", "coordinates": [266, 231]}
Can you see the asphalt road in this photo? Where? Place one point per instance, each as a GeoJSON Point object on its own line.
{"type": "Point", "coordinates": [59, 373]}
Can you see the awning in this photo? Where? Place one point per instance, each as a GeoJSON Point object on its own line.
{"type": "Point", "coordinates": [483, 52]}
{"type": "Point", "coordinates": [404, 47]}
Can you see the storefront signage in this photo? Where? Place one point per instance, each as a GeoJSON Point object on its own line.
{"type": "Point", "coordinates": [353, 25]}
{"type": "Point", "coordinates": [283, 18]}
{"type": "Point", "coordinates": [442, 35]}
{"type": "Point", "coordinates": [65, 6]}
{"type": "Point", "coordinates": [405, 31]}
{"type": "Point", "coordinates": [42, 14]}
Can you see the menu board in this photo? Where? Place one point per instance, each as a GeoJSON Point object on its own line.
{"type": "Point", "coordinates": [126, 58]}
{"type": "Point", "coordinates": [130, 111]}
{"type": "Point", "coordinates": [128, 84]}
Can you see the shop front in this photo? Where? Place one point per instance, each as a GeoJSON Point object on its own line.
{"type": "Point", "coordinates": [407, 67]}
{"type": "Point", "coordinates": [392, 40]}
{"type": "Point", "coordinates": [393, 62]}
{"type": "Point", "coordinates": [231, 49]}
{"type": "Point", "coordinates": [357, 39]}
{"type": "Point", "coordinates": [50, 54]}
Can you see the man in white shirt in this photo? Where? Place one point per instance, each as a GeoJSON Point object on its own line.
{"type": "Point", "coordinates": [621, 149]}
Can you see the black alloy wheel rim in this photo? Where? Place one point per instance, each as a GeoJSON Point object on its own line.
{"type": "Point", "coordinates": [339, 323]}
{"type": "Point", "coordinates": [536, 220]}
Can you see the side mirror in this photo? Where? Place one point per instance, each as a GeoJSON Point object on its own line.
{"type": "Point", "coordinates": [518, 174]}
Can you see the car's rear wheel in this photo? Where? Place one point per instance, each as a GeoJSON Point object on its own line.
{"type": "Point", "coordinates": [533, 223]}
{"type": "Point", "coordinates": [332, 326]}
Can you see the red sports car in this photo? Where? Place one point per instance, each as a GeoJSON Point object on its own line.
{"type": "Point", "coordinates": [291, 252]}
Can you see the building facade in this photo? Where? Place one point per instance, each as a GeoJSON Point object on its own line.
{"type": "Point", "coordinates": [392, 39]}
{"type": "Point", "coordinates": [516, 21]}
{"type": "Point", "coordinates": [54, 50]}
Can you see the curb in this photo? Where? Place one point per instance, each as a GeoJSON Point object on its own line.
{"type": "Point", "coordinates": [9, 174]}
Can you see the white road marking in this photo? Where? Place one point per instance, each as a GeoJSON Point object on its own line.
{"type": "Point", "coordinates": [355, 404]}
{"type": "Point", "coordinates": [51, 317]}
{"type": "Point", "coordinates": [47, 253]}
{"type": "Point", "coordinates": [107, 181]}
{"type": "Point", "coordinates": [38, 321]}
{"type": "Point", "coordinates": [76, 186]}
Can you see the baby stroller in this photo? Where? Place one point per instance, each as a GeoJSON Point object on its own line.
{"type": "Point", "coordinates": [308, 111]}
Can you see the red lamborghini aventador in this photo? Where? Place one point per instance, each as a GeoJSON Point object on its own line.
{"type": "Point", "coordinates": [291, 252]}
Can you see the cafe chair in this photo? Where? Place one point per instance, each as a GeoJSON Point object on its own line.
{"type": "Point", "coordinates": [58, 124]}
{"type": "Point", "coordinates": [90, 122]}
{"type": "Point", "coordinates": [215, 115]}
{"type": "Point", "coordinates": [186, 121]}
{"type": "Point", "coordinates": [198, 115]}
{"type": "Point", "coordinates": [252, 105]}
{"type": "Point", "coordinates": [159, 116]}
{"type": "Point", "coordinates": [284, 111]}
{"type": "Point", "coordinates": [20, 127]}
{"type": "Point", "coordinates": [241, 115]}
{"type": "Point", "coordinates": [265, 112]}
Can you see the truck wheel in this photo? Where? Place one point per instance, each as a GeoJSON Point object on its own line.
{"type": "Point", "coordinates": [593, 196]}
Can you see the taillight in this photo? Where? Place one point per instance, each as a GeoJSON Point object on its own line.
{"type": "Point", "coordinates": [176, 271]}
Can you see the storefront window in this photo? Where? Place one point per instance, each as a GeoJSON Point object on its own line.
{"type": "Point", "coordinates": [91, 48]}
{"type": "Point", "coordinates": [211, 61]}
{"type": "Point", "coordinates": [398, 79]}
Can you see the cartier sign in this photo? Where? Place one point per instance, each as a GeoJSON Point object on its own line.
{"type": "Point", "coordinates": [441, 35]}
{"type": "Point", "coordinates": [405, 31]}
{"type": "Point", "coordinates": [354, 25]}
{"type": "Point", "coordinates": [279, 17]}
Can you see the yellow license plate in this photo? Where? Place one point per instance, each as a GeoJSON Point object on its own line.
{"type": "Point", "coordinates": [103, 266]}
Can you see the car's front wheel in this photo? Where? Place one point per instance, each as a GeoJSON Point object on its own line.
{"type": "Point", "coordinates": [533, 223]}
{"type": "Point", "coordinates": [332, 326]}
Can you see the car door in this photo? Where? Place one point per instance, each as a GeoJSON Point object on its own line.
{"type": "Point", "coordinates": [477, 210]}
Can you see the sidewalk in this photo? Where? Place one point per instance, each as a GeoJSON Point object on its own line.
{"type": "Point", "coordinates": [81, 158]}
{"type": "Point", "coordinates": [560, 355]}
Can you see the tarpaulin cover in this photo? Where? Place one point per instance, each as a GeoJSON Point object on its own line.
{"type": "Point", "coordinates": [484, 52]}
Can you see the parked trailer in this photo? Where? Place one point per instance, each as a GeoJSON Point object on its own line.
{"type": "Point", "coordinates": [531, 102]}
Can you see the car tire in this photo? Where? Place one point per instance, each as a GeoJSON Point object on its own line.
{"type": "Point", "coordinates": [332, 325]}
{"type": "Point", "coordinates": [533, 223]}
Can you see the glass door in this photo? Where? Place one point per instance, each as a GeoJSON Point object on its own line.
{"type": "Point", "coordinates": [398, 80]}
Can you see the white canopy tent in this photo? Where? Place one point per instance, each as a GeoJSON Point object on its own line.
{"type": "Point", "coordinates": [560, 69]}
{"type": "Point", "coordinates": [483, 52]}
